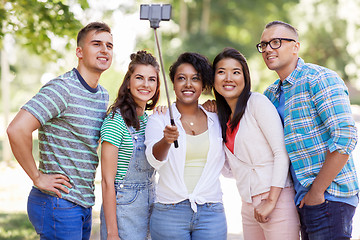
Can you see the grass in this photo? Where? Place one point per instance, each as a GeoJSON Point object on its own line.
{"type": "Point", "coordinates": [16, 226]}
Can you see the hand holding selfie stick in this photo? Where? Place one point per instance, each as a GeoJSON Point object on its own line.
{"type": "Point", "coordinates": [155, 13]}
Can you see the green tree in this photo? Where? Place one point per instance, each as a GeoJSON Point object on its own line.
{"type": "Point", "coordinates": [34, 23]}
{"type": "Point", "coordinates": [324, 34]}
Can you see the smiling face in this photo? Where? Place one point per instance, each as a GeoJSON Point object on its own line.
{"type": "Point", "coordinates": [282, 60]}
{"type": "Point", "coordinates": [143, 83]}
{"type": "Point", "coordinates": [187, 84]}
{"type": "Point", "coordinates": [229, 80]}
{"type": "Point", "coordinates": [95, 51]}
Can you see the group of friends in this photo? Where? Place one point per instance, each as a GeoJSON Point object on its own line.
{"type": "Point", "coordinates": [288, 149]}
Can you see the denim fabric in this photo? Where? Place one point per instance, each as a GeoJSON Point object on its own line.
{"type": "Point", "coordinates": [179, 222]}
{"type": "Point", "coordinates": [134, 196]}
{"type": "Point", "coordinates": [56, 218]}
{"type": "Point", "coordinates": [327, 221]}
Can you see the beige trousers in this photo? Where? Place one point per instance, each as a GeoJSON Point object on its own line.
{"type": "Point", "coordinates": [284, 221]}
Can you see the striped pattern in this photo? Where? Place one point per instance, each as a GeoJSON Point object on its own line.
{"type": "Point", "coordinates": [71, 118]}
{"type": "Point", "coordinates": [115, 131]}
{"type": "Point", "coordinates": [317, 118]}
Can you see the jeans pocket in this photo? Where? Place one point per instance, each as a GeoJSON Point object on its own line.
{"type": "Point", "coordinates": [316, 217]}
{"type": "Point", "coordinates": [126, 196]}
{"type": "Point", "coordinates": [216, 207]}
{"type": "Point", "coordinates": [64, 204]}
{"type": "Point", "coordinates": [36, 211]}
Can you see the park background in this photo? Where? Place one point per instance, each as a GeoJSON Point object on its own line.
{"type": "Point", "coordinates": [38, 41]}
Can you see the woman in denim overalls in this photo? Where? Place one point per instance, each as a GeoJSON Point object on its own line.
{"type": "Point", "coordinates": [127, 177]}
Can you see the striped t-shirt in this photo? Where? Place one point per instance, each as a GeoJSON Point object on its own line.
{"type": "Point", "coordinates": [115, 131]}
{"type": "Point", "coordinates": [71, 114]}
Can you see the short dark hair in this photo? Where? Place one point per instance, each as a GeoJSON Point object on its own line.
{"type": "Point", "coordinates": [97, 26]}
{"type": "Point", "coordinates": [223, 107]}
{"type": "Point", "coordinates": [284, 24]}
{"type": "Point", "coordinates": [199, 62]}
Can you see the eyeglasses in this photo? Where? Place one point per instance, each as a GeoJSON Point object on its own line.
{"type": "Point", "coordinates": [273, 43]}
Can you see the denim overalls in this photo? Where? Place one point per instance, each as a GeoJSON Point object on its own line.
{"type": "Point", "coordinates": [134, 195]}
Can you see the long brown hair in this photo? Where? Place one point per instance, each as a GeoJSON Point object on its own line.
{"type": "Point", "coordinates": [125, 102]}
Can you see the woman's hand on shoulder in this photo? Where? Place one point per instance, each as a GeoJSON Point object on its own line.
{"type": "Point", "coordinates": [160, 109]}
{"type": "Point", "coordinates": [210, 106]}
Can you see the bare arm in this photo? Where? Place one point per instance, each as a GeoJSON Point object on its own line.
{"type": "Point", "coordinates": [20, 136]}
{"type": "Point", "coordinates": [109, 158]}
{"type": "Point", "coordinates": [161, 148]}
{"type": "Point", "coordinates": [262, 211]}
{"type": "Point", "coordinates": [333, 164]}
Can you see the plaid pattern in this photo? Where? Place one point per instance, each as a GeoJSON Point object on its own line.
{"type": "Point", "coordinates": [317, 118]}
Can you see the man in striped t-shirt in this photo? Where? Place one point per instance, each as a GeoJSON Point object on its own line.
{"type": "Point", "coordinates": [68, 113]}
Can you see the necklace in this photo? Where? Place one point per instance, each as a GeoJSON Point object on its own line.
{"type": "Point", "coordinates": [190, 125]}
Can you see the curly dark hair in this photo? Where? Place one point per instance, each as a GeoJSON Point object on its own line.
{"type": "Point", "coordinates": [223, 108]}
{"type": "Point", "coordinates": [125, 101]}
{"type": "Point", "coordinates": [201, 65]}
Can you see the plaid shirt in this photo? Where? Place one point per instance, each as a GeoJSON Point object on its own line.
{"type": "Point", "coordinates": [317, 118]}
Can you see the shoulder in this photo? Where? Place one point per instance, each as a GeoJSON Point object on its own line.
{"type": "Point", "coordinates": [259, 106]}
{"type": "Point", "coordinates": [258, 100]}
{"type": "Point", "coordinates": [272, 88]}
{"type": "Point", "coordinates": [161, 117]}
{"type": "Point", "coordinates": [316, 73]}
{"type": "Point", "coordinates": [103, 92]}
{"type": "Point", "coordinates": [319, 79]}
{"type": "Point", "coordinates": [64, 82]}
{"type": "Point", "coordinates": [114, 120]}
{"type": "Point", "coordinates": [211, 115]}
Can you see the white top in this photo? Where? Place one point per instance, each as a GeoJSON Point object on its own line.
{"type": "Point", "coordinates": [260, 159]}
{"type": "Point", "coordinates": [171, 186]}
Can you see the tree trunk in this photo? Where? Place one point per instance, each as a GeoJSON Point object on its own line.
{"type": "Point", "coordinates": [205, 19]}
{"type": "Point", "coordinates": [5, 91]}
{"type": "Point", "coordinates": [183, 19]}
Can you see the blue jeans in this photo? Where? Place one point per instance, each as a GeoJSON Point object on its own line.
{"type": "Point", "coordinates": [56, 218]}
{"type": "Point", "coordinates": [327, 221]}
{"type": "Point", "coordinates": [179, 222]}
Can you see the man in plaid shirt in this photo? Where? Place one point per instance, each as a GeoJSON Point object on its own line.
{"type": "Point", "coordinates": [320, 135]}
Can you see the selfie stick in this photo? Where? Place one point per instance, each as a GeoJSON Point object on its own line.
{"type": "Point", "coordinates": [154, 24]}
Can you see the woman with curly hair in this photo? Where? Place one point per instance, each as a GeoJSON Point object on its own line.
{"type": "Point", "coordinates": [188, 202]}
{"type": "Point", "coordinates": [127, 177]}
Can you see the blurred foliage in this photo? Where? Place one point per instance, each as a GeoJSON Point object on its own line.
{"type": "Point", "coordinates": [324, 30]}
{"type": "Point", "coordinates": [34, 23]}
{"type": "Point", "coordinates": [16, 226]}
{"type": "Point", "coordinates": [328, 32]}
{"type": "Point", "coordinates": [231, 23]}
